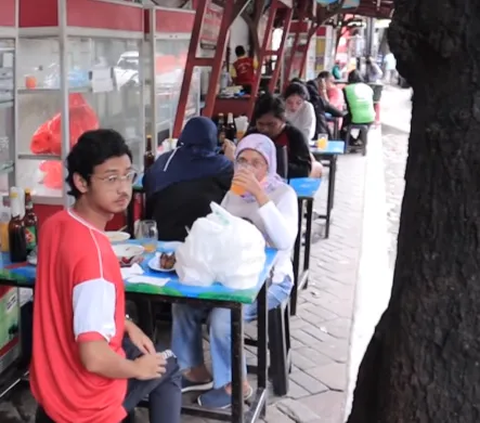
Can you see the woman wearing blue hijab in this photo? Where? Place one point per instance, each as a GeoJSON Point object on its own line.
{"type": "Point", "coordinates": [181, 183]}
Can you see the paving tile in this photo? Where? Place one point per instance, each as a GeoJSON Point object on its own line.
{"type": "Point", "coordinates": [332, 375]}
{"type": "Point", "coordinates": [326, 405]}
{"type": "Point", "coordinates": [307, 382]}
{"type": "Point", "coordinates": [299, 412]}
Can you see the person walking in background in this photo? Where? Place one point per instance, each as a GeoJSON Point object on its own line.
{"type": "Point", "coordinates": [390, 64]}
{"type": "Point", "coordinates": [243, 69]}
{"type": "Point", "coordinates": [373, 74]}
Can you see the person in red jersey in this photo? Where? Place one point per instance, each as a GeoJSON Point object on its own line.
{"type": "Point", "coordinates": [89, 363]}
{"type": "Point", "coordinates": [243, 70]}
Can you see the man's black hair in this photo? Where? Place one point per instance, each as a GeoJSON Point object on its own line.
{"type": "Point", "coordinates": [240, 51]}
{"type": "Point", "coordinates": [268, 103]}
{"type": "Point", "coordinates": [297, 89]}
{"type": "Point", "coordinates": [324, 75]}
{"type": "Point", "coordinates": [354, 77]}
{"type": "Point", "coordinates": [92, 149]}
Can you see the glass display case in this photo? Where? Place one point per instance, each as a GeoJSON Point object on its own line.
{"type": "Point", "coordinates": [104, 90]}
{"type": "Point", "coordinates": [7, 111]}
{"type": "Point", "coordinates": [170, 60]}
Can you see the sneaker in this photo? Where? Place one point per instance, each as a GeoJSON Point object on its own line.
{"type": "Point", "coordinates": [219, 398]}
{"type": "Point", "coordinates": [190, 386]}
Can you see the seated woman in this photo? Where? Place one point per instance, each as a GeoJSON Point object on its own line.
{"type": "Point", "coordinates": [271, 205]}
{"type": "Point", "coordinates": [181, 184]}
{"type": "Point", "coordinates": [359, 101]}
{"type": "Point", "coordinates": [269, 118]}
{"type": "Point", "coordinates": [299, 111]}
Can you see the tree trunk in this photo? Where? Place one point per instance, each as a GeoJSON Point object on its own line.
{"type": "Point", "coordinates": [423, 362]}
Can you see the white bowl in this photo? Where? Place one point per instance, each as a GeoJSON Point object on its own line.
{"type": "Point", "coordinates": [117, 236]}
{"type": "Point", "coordinates": [127, 253]}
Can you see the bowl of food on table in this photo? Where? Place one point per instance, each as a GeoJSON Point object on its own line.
{"type": "Point", "coordinates": [164, 259]}
{"type": "Point", "coordinates": [128, 254]}
{"type": "Point", "coordinates": [117, 236]}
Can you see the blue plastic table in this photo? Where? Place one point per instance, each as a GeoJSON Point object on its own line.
{"type": "Point", "coordinates": [329, 155]}
{"type": "Point", "coordinates": [216, 295]}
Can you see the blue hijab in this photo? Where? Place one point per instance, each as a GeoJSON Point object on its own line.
{"type": "Point", "coordinates": [194, 158]}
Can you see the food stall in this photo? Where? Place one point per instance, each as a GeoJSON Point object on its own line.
{"type": "Point", "coordinates": [76, 71]}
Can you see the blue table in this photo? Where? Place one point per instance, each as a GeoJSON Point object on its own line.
{"type": "Point", "coordinates": [216, 295]}
{"type": "Point", "coordinates": [329, 157]}
{"type": "Point", "coordinates": [306, 189]}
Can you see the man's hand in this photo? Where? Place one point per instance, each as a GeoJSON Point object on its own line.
{"type": "Point", "coordinates": [150, 366]}
{"type": "Point", "coordinates": [139, 339]}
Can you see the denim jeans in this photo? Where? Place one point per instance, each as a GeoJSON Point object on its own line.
{"type": "Point", "coordinates": [187, 332]}
{"type": "Point", "coordinates": [165, 396]}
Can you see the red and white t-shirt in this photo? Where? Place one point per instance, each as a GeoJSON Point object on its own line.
{"type": "Point", "coordinates": [79, 296]}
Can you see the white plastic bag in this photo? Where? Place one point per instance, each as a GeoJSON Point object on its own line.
{"type": "Point", "coordinates": [221, 248]}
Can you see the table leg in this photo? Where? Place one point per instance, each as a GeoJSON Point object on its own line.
{"type": "Point", "coordinates": [237, 363]}
{"type": "Point", "coordinates": [296, 260]}
{"type": "Point", "coordinates": [262, 340]}
{"type": "Point", "coordinates": [308, 239]}
{"type": "Point", "coordinates": [331, 192]}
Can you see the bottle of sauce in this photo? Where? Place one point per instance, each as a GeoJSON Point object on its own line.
{"type": "Point", "coordinates": [30, 221]}
{"type": "Point", "coordinates": [221, 129]}
{"type": "Point", "coordinates": [4, 220]}
{"type": "Point", "coordinates": [16, 230]}
{"type": "Point", "coordinates": [149, 156]}
{"type": "Point", "coordinates": [231, 131]}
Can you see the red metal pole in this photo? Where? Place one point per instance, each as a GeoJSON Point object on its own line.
{"type": "Point", "coordinates": [278, 64]}
{"type": "Point", "coordinates": [218, 59]}
{"type": "Point", "coordinates": [261, 56]}
{"type": "Point", "coordinates": [191, 62]}
{"type": "Point", "coordinates": [296, 42]}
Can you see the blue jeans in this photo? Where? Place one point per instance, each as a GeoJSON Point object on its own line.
{"type": "Point", "coordinates": [187, 332]}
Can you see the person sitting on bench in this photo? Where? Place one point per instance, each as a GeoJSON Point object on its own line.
{"type": "Point", "coordinates": [359, 101]}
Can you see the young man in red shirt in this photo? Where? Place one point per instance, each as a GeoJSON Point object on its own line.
{"type": "Point", "coordinates": [90, 364]}
{"type": "Point", "coordinates": [243, 71]}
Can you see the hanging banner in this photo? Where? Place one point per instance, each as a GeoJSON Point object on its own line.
{"type": "Point", "coordinates": [211, 25]}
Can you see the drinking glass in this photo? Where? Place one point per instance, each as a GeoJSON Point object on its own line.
{"type": "Point", "coordinates": [149, 235]}
{"type": "Point", "coordinates": [322, 141]}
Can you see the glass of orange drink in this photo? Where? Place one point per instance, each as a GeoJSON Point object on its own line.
{"type": "Point", "coordinates": [149, 235]}
{"type": "Point", "coordinates": [322, 141]}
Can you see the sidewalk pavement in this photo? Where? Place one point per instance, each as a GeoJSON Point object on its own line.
{"type": "Point", "coordinates": [321, 331]}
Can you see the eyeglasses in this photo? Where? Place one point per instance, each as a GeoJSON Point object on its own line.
{"type": "Point", "coordinates": [256, 164]}
{"type": "Point", "coordinates": [115, 180]}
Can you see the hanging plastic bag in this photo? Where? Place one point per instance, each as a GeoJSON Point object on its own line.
{"type": "Point", "coordinates": [221, 248]}
{"type": "Point", "coordinates": [47, 139]}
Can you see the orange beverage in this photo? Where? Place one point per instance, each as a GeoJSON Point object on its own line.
{"type": "Point", "coordinates": [237, 189]}
{"type": "Point", "coordinates": [322, 141]}
{"type": "Point", "coordinates": [240, 135]}
{"type": "Point", "coordinates": [150, 245]}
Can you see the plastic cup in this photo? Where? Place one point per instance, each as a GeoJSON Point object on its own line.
{"type": "Point", "coordinates": [322, 141]}
{"type": "Point", "coordinates": [237, 189]}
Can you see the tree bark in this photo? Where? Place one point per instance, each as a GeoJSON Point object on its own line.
{"type": "Point", "coordinates": [423, 362]}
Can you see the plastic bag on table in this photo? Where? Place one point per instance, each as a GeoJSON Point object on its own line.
{"type": "Point", "coordinates": [47, 138]}
{"type": "Point", "coordinates": [222, 248]}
